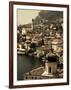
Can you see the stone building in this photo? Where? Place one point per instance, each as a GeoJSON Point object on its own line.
{"type": "Point", "coordinates": [50, 65]}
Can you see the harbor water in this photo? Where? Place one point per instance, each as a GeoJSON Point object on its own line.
{"type": "Point", "coordinates": [26, 64]}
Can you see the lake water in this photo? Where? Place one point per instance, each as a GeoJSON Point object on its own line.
{"type": "Point", "coordinates": [25, 64]}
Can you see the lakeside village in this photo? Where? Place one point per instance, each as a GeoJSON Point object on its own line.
{"type": "Point", "coordinates": [42, 39]}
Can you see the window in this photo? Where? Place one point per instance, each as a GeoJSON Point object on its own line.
{"type": "Point", "coordinates": [49, 69]}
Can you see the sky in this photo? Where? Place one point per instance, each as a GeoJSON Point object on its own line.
{"type": "Point", "coordinates": [26, 16]}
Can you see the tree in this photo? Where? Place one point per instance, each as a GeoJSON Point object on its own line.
{"type": "Point", "coordinates": [33, 45]}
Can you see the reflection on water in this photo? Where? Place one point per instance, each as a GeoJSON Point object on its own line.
{"type": "Point", "coordinates": [25, 64]}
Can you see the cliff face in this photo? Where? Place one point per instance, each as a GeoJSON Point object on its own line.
{"type": "Point", "coordinates": [51, 15]}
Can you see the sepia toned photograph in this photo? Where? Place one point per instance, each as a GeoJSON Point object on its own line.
{"type": "Point", "coordinates": [38, 44]}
